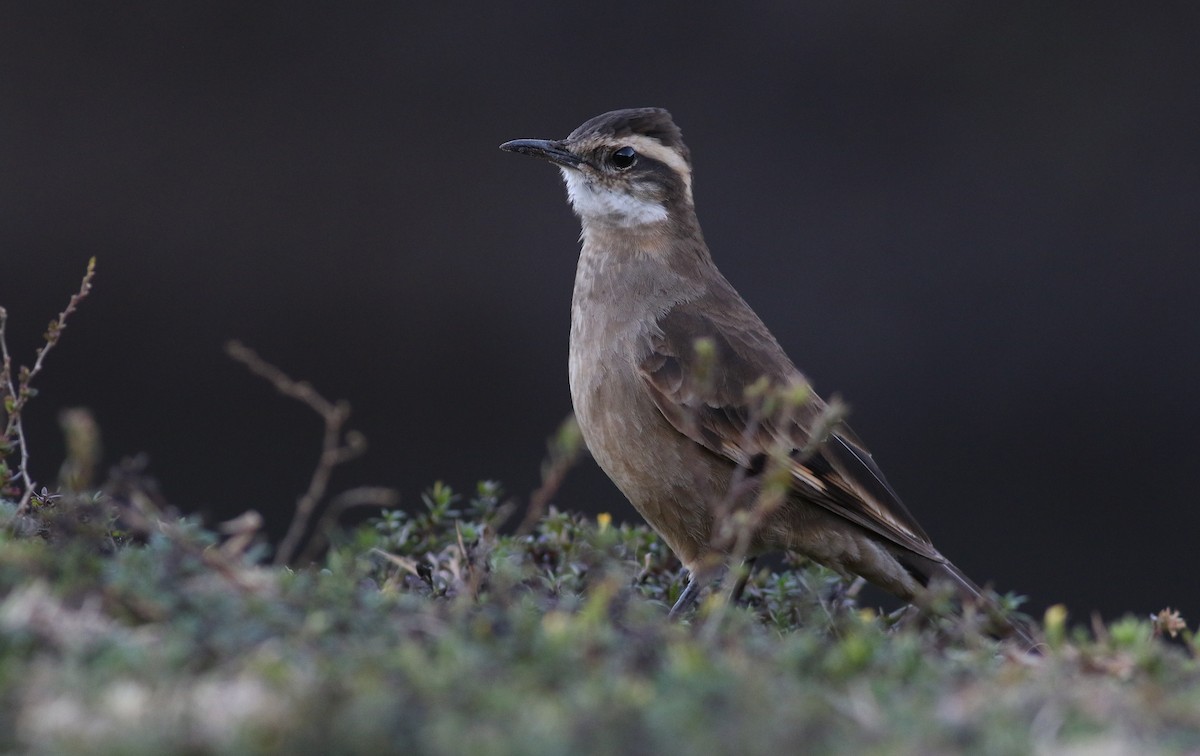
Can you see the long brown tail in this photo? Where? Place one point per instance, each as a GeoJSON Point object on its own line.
{"type": "Point", "coordinates": [969, 593]}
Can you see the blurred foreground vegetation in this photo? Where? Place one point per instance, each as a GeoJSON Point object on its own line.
{"type": "Point", "coordinates": [126, 629]}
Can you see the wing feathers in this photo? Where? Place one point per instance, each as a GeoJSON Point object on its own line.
{"type": "Point", "coordinates": [703, 394]}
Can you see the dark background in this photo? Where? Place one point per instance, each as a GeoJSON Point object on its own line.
{"type": "Point", "coordinates": [978, 225]}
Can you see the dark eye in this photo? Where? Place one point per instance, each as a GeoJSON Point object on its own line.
{"type": "Point", "coordinates": [624, 158]}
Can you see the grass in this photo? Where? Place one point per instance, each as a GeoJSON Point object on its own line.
{"type": "Point", "coordinates": [128, 628]}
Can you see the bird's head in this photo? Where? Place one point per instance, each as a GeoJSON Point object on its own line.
{"type": "Point", "coordinates": [627, 168]}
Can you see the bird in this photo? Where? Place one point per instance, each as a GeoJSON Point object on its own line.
{"type": "Point", "coordinates": [687, 401]}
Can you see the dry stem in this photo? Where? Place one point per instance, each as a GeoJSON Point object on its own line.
{"type": "Point", "coordinates": [16, 395]}
{"type": "Point", "coordinates": [337, 445]}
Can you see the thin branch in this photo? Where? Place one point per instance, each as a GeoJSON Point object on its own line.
{"type": "Point", "coordinates": [337, 445]}
{"type": "Point", "coordinates": [141, 514]}
{"type": "Point", "coordinates": [364, 496]}
{"type": "Point", "coordinates": [17, 395]}
{"type": "Point", "coordinates": [564, 449]}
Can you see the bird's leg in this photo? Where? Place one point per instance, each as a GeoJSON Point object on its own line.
{"type": "Point", "coordinates": [840, 591]}
{"type": "Point", "coordinates": [690, 592]}
{"type": "Point", "coordinates": [698, 579]}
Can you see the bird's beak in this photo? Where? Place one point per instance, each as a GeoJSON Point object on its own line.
{"type": "Point", "coordinates": [555, 152]}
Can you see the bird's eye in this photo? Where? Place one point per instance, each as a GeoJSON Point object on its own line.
{"type": "Point", "coordinates": [624, 158]}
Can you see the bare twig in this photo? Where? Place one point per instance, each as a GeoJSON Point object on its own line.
{"type": "Point", "coordinates": [337, 445]}
{"type": "Point", "coordinates": [241, 532]}
{"type": "Point", "coordinates": [142, 511]}
{"type": "Point", "coordinates": [80, 430]}
{"type": "Point", "coordinates": [771, 407]}
{"type": "Point", "coordinates": [16, 394]}
{"type": "Point", "coordinates": [565, 448]}
{"type": "Point", "coordinates": [364, 496]}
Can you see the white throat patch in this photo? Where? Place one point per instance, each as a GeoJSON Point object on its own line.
{"type": "Point", "coordinates": [597, 203]}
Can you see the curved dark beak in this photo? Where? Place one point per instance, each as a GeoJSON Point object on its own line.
{"type": "Point", "coordinates": [545, 149]}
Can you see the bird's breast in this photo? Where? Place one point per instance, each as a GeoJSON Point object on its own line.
{"type": "Point", "coordinates": [664, 475]}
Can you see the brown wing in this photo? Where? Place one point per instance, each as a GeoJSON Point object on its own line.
{"type": "Point", "coordinates": [703, 394]}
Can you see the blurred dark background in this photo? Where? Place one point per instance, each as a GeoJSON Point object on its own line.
{"type": "Point", "coordinates": [977, 224]}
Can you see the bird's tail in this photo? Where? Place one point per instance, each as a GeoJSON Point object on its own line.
{"type": "Point", "coordinates": [1008, 626]}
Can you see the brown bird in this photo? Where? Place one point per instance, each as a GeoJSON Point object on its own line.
{"type": "Point", "coordinates": [687, 401]}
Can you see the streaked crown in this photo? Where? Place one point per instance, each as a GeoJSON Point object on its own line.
{"type": "Point", "coordinates": [652, 123]}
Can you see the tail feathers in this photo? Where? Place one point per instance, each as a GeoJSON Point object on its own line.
{"type": "Point", "coordinates": [970, 594]}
